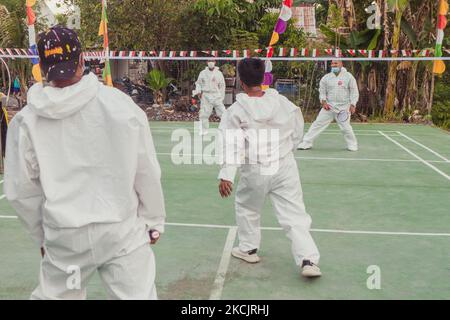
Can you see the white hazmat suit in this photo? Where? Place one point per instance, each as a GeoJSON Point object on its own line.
{"type": "Point", "coordinates": [82, 174]}
{"type": "Point", "coordinates": [211, 85]}
{"type": "Point", "coordinates": [273, 171]}
{"type": "Point", "coordinates": [340, 91]}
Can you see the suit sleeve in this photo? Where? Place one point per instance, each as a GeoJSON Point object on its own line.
{"type": "Point", "coordinates": [354, 91]}
{"type": "Point", "coordinates": [233, 145]}
{"type": "Point", "coordinates": [22, 185]}
{"type": "Point", "coordinates": [323, 89]}
{"type": "Point", "coordinates": [222, 86]}
{"type": "Point", "coordinates": [299, 125]}
{"type": "Point", "coordinates": [148, 181]}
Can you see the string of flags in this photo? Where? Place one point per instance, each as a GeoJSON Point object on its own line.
{"type": "Point", "coordinates": [281, 52]}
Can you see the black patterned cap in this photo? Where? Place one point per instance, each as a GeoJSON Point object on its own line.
{"type": "Point", "coordinates": [59, 53]}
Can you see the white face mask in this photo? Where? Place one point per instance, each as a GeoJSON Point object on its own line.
{"type": "Point", "coordinates": [211, 65]}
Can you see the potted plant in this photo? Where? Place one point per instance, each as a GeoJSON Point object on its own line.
{"type": "Point", "coordinates": [158, 81]}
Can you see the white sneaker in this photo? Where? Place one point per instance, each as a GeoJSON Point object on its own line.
{"type": "Point", "coordinates": [310, 270]}
{"type": "Point", "coordinates": [304, 146]}
{"type": "Point", "coordinates": [353, 149]}
{"type": "Point", "coordinates": [250, 256]}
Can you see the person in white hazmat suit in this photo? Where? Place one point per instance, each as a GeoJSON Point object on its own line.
{"type": "Point", "coordinates": [338, 92]}
{"type": "Point", "coordinates": [265, 128]}
{"type": "Point", "coordinates": [82, 174]}
{"type": "Point", "coordinates": [210, 88]}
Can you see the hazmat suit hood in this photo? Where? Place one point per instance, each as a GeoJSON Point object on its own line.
{"type": "Point", "coordinates": [216, 68]}
{"type": "Point", "coordinates": [268, 108]}
{"type": "Point", "coordinates": [59, 103]}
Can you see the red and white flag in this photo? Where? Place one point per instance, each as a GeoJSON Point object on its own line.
{"type": "Point", "coordinates": [294, 52]}
{"type": "Point", "coordinates": [132, 54]}
{"type": "Point", "coordinates": [215, 53]}
{"type": "Point", "coordinates": [283, 52]}
{"type": "Point", "coordinates": [304, 52]}
{"type": "Point", "coordinates": [352, 52]}
{"type": "Point", "coordinates": [406, 53]}
{"type": "Point", "coordinates": [183, 53]}
{"type": "Point", "coordinates": [381, 53]}
{"type": "Point", "coordinates": [162, 54]}
{"type": "Point", "coordinates": [363, 52]}
{"type": "Point", "coordinates": [246, 53]}
{"type": "Point", "coordinates": [172, 54]}
{"type": "Point", "coordinates": [141, 54]}
{"type": "Point", "coordinates": [315, 53]}
{"type": "Point", "coordinates": [269, 52]}
{"type": "Point", "coordinates": [394, 53]}
{"type": "Point", "coordinates": [193, 54]}
{"type": "Point", "coordinates": [258, 51]}
{"type": "Point", "coordinates": [329, 52]}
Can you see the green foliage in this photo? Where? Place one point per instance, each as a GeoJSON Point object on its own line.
{"type": "Point", "coordinates": [157, 80]}
{"type": "Point", "coordinates": [228, 70]}
{"type": "Point", "coordinates": [241, 39]}
{"type": "Point", "coordinates": [440, 112]}
{"type": "Point", "coordinates": [335, 17]}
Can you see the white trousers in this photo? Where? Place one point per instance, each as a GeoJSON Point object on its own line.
{"type": "Point", "coordinates": [208, 103]}
{"type": "Point", "coordinates": [323, 120]}
{"type": "Point", "coordinates": [120, 252]}
{"type": "Point", "coordinates": [285, 192]}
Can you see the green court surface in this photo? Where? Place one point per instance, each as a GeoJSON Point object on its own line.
{"type": "Point", "coordinates": [387, 205]}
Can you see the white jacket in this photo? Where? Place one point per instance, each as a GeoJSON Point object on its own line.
{"type": "Point", "coordinates": [250, 116]}
{"type": "Point", "coordinates": [211, 83]}
{"type": "Point", "coordinates": [80, 155]}
{"type": "Point", "coordinates": [340, 91]}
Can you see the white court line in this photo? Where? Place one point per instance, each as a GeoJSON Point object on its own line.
{"type": "Point", "coordinates": [327, 131]}
{"type": "Point", "coordinates": [2, 197]}
{"type": "Point", "coordinates": [421, 234]}
{"type": "Point", "coordinates": [338, 231]}
{"type": "Point", "coordinates": [314, 158]}
{"type": "Point", "coordinates": [416, 156]}
{"type": "Point", "coordinates": [424, 146]}
{"type": "Point", "coordinates": [1, 181]}
{"type": "Point", "coordinates": [216, 292]}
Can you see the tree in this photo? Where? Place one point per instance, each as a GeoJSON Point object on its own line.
{"type": "Point", "coordinates": [398, 6]}
{"type": "Point", "coordinates": [13, 34]}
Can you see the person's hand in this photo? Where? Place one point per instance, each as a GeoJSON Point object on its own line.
{"type": "Point", "coordinates": [326, 106]}
{"type": "Point", "coordinates": [42, 252]}
{"type": "Point", "coordinates": [225, 188]}
{"type": "Point", "coordinates": [154, 236]}
{"type": "Point", "coordinates": [352, 109]}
